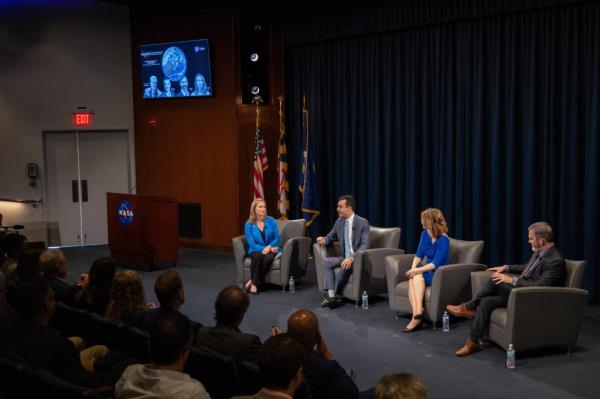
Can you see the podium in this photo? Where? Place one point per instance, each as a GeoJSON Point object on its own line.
{"type": "Point", "coordinates": [143, 231]}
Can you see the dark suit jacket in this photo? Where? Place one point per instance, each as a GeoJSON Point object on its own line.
{"type": "Point", "coordinates": [327, 379]}
{"type": "Point", "coordinates": [63, 291]}
{"type": "Point", "coordinates": [46, 348]}
{"type": "Point", "coordinates": [229, 341]}
{"type": "Point", "coordinates": [152, 314]}
{"type": "Point", "coordinates": [550, 271]}
{"type": "Point", "coordinates": [360, 233]}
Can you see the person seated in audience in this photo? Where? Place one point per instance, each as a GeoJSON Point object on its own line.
{"type": "Point", "coordinates": [127, 300]}
{"type": "Point", "coordinates": [431, 254]}
{"type": "Point", "coordinates": [169, 292]}
{"type": "Point", "coordinates": [28, 268]}
{"type": "Point", "coordinates": [12, 244]}
{"type": "Point", "coordinates": [262, 236]}
{"type": "Point", "coordinates": [546, 267]}
{"type": "Point", "coordinates": [95, 290]}
{"type": "Point", "coordinates": [170, 342]}
{"type": "Point", "coordinates": [323, 374]}
{"type": "Point", "coordinates": [5, 308]}
{"type": "Point", "coordinates": [2, 234]}
{"type": "Point", "coordinates": [400, 386]}
{"type": "Point", "coordinates": [54, 267]}
{"type": "Point", "coordinates": [281, 362]}
{"type": "Point", "coordinates": [46, 348]}
{"type": "Point", "coordinates": [225, 338]}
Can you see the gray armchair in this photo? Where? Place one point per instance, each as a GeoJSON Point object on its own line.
{"type": "Point", "coordinates": [290, 262]}
{"type": "Point", "coordinates": [368, 269]}
{"type": "Point", "coordinates": [538, 316]}
{"type": "Point", "coordinates": [451, 283]}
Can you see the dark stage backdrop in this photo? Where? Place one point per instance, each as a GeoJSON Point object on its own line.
{"type": "Point", "coordinates": [491, 115]}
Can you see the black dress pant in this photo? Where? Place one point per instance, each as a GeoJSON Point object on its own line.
{"type": "Point", "coordinates": [260, 265]}
{"type": "Point", "coordinates": [490, 297]}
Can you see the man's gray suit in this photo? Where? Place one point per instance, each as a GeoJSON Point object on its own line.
{"type": "Point", "coordinates": [360, 242]}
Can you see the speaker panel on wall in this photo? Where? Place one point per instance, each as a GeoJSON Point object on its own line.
{"type": "Point", "coordinates": [190, 220]}
{"type": "Point", "coordinates": [254, 54]}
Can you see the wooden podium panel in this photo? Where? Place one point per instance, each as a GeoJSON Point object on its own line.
{"type": "Point", "coordinates": [143, 231]}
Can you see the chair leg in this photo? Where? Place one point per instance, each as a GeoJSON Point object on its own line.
{"type": "Point", "coordinates": [397, 315]}
{"type": "Point", "coordinates": [283, 288]}
{"type": "Point", "coordinates": [433, 325]}
{"type": "Point", "coordinates": [356, 303]}
{"type": "Point", "coordinates": [569, 349]}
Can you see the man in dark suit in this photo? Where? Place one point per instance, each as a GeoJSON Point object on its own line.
{"type": "Point", "coordinates": [545, 268]}
{"type": "Point", "coordinates": [168, 288]}
{"type": "Point", "coordinates": [44, 347]}
{"type": "Point", "coordinates": [353, 231]}
{"type": "Point", "coordinates": [225, 338]}
{"type": "Point", "coordinates": [54, 267]}
{"type": "Point", "coordinates": [323, 374]}
{"type": "Point", "coordinates": [281, 363]}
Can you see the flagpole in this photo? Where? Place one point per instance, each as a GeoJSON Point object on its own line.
{"type": "Point", "coordinates": [282, 166]}
{"type": "Point", "coordinates": [258, 176]}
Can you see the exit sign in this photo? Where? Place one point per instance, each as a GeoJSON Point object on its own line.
{"type": "Point", "coordinates": [83, 118]}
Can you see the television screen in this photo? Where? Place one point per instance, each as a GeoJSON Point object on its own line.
{"type": "Point", "coordinates": [177, 69]}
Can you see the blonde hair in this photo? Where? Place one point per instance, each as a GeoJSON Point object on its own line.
{"type": "Point", "coordinates": [126, 296]}
{"type": "Point", "coordinates": [253, 218]}
{"type": "Point", "coordinates": [400, 386]}
{"type": "Point", "coordinates": [433, 220]}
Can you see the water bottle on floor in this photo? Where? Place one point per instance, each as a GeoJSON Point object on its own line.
{"type": "Point", "coordinates": [510, 357]}
{"type": "Point", "coordinates": [445, 322]}
{"type": "Point", "coordinates": [292, 285]}
{"type": "Point", "coordinates": [365, 300]}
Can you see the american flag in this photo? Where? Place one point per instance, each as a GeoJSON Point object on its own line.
{"type": "Point", "coordinates": [260, 159]}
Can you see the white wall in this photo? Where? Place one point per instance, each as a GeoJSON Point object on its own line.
{"type": "Point", "coordinates": [56, 57]}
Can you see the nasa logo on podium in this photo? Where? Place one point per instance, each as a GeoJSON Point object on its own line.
{"type": "Point", "coordinates": [125, 212]}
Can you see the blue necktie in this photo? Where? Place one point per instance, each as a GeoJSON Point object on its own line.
{"type": "Point", "coordinates": [347, 239]}
{"type": "Point", "coordinates": [532, 263]}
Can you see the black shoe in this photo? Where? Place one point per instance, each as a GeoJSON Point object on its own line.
{"type": "Point", "coordinates": [335, 303]}
{"type": "Point", "coordinates": [415, 328]}
{"type": "Point", "coordinates": [326, 301]}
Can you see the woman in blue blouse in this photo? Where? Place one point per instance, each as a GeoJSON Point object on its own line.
{"type": "Point", "coordinates": [262, 236]}
{"type": "Point", "coordinates": [431, 254]}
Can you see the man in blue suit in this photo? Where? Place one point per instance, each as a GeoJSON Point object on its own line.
{"type": "Point", "coordinates": [353, 231]}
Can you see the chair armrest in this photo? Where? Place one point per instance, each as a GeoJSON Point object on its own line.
{"type": "Point", "coordinates": [369, 264]}
{"type": "Point", "coordinates": [374, 260]}
{"type": "Point", "coordinates": [319, 253]}
{"type": "Point", "coordinates": [395, 267]}
{"type": "Point", "coordinates": [239, 252]}
{"type": "Point", "coordinates": [451, 284]}
{"type": "Point", "coordinates": [550, 314]}
{"type": "Point", "coordinates": [478, 281]}
{"type": "Point", "coordinates": [294, 256]}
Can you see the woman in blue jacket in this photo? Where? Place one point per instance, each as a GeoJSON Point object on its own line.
{"type": "Point", "coordinates": [262, 236]}
{"type": "Point", "coordinates": [431, 254]}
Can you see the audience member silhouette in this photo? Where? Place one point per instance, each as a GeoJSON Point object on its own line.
{"type": "Point", "coordinates": [225, 338]}
{"type": "Point", "coordinates": [170, 343]}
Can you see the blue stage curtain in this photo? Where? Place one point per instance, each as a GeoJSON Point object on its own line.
{"type": "Point", "coordinates": [491, 115]}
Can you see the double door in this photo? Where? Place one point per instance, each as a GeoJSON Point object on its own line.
{"type": "Point", "coordinates": [81, 167]}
